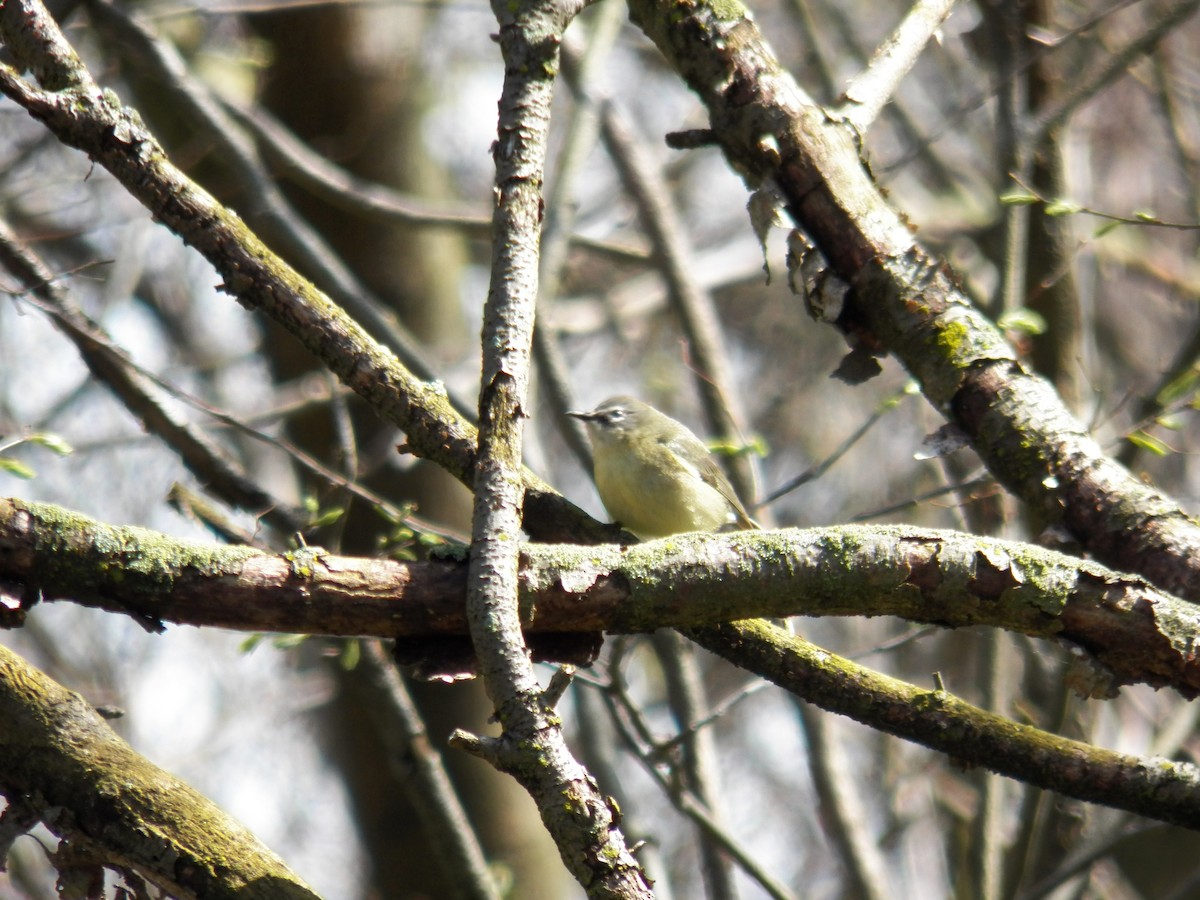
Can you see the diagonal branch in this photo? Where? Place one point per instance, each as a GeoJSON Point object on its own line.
{"type": "Point", "coordinates": [907, 303]}
{"type": "Point", "coordinates": [297, 240]}
{"type": "Point", "coordinates": [84, 116]}
{"type": "Point", "coordinates": [91, 788]}
{"type": "Point", "coordinates": [112, 368]}
{"type": "Point", "coordinates": [1156, 788]}
{"type": "Point", "coordinates": [867, 94]}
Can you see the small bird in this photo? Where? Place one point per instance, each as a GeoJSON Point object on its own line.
{"type": "Point", "coordinates": [656, 477]}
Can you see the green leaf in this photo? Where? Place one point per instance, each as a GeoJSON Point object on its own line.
{"type": "Point", "coordinates": [1017, 197]}
{"type": "Point", "coordinates": [52, 442]}
{"type": "Point", "coordinates": [1106, 228]}
{"type": "Point", "coordinates": [1023, 320]}
{"type": "Point", "coordinates": [756, 446]}
{"type": "Point", "coordinates": [1148, 442]}
{"type": "Point", "coordinates": [328, 517]}
{"type": "Point", "coordinates": [401, 535]}
{"type": "Point", "coordinates": [1143, 215]}
{"type": "Point", "coordinates": [387, 515]}
{"type": "Point", "coordinates": [16, 467]}
{"type": "Point", "coordinates": [350, 655]}
{"type": "Point", "coordinates": [1062, 207]}
{"type": "Point", "coordinates": [251, 642]}
{"type": "Point", "coordinates": [1178, 387]}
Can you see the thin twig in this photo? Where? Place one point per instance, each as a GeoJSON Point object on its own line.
{"type": "Point", "coordinates": [870, 90]}
{"type": "Point", "coordinates": [378, 202]}
{"type": "Point", "coordinates": [1111, 67]}
{"type": "Point", "coordinates": [582, 130]}
{"type": "Point", "coordinates": [641, 744]}
{"type": "Point", "coordinates": [814, 472]}
{"type": "Point", "coordinates": [418, 766]}
{"type": "Point", "coordinates": [115, 370]}
{"type": "Point", "coordinates": [296, 239]}
{"type": "Point", "coordinates": [842, 811]}
{"type": "Point", "coordinates": [692, 303]}
{"type": "Point", "coordinates": [700, 769]}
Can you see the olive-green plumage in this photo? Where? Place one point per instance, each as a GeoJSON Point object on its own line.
{"type": "Point", "coordinates": [656, 477]}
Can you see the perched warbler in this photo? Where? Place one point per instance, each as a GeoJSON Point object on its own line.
{"type": "Point", "coordinates": [656, 477]}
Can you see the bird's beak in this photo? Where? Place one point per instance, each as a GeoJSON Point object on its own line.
{"type": "Point", "coordinates": [585, 416]}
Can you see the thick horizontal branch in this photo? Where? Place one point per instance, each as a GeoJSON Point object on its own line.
{"type": "Point", "coordinates": [72, 772]}
{"type": "Point", "coordinates": [1137, 632]}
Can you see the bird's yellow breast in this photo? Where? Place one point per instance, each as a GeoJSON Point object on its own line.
{"type": "Point", "coordinates": [652, 492]}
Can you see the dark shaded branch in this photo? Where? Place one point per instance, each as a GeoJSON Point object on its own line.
{"type": "Point", "coordinates": [117, 372]}
{"type": "Point", "coordinates": [273, 214]}
{"type": "Point", "coordinates": [417, 764]}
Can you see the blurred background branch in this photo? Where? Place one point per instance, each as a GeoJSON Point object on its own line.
{"type": "Point", "coordinates": [376, 119]}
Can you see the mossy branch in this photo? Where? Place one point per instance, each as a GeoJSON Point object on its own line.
{"type": "Point", "coordinates": [1135, 632]}
{"type": "Point", "coordinates": [904, 302]}
{"type": "Point", "coordinates": [117, 809]}
{"type": "Point", "coordinates": [1161, 789]}
{"type": "Point", "coordinates": [82, 115]}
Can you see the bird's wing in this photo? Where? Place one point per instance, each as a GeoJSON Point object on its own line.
{"type": "Point", "coordinates": [692, 452]}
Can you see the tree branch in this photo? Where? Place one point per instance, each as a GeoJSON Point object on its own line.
{"type": "Point", "coordinates": [1138, 633]}
{"type": "Point", "coordinates": [116, 371]}
{"type": "Point", "coordinates": [904, 302]}
{"type": "Point", "coordinates": [417, 764]}
{"type": "Point", "coordinates": [531, 747]}
{"type": "Point", "coordinates": [867, 94]}
{"type": "Point", "coordinates": [1162, 789]}
{"type": "Point", "coordinates": [60, 758]}
{"type": "Point", "coordinates": [83, 116]}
